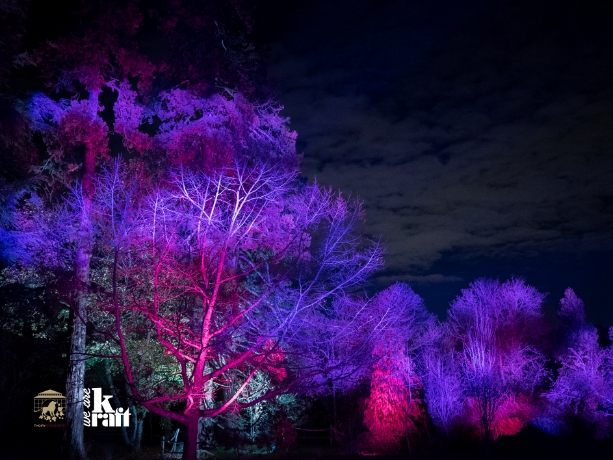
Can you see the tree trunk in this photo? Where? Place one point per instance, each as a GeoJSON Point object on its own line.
{"type": "Point", "coordinates": [334, 405]}
{"type": "Point", "coordinates": [138, 431]}
{"type": "Point", "coordinates": [74, 385]}
{"type": "Point", "coordinates": [190, 446]}
{"type": "Point", "coordinates": [133, 434]}
{"type": "Point", "coordinates": [76, 370]}
{"type": "Point", "coordinates": [136, 434]}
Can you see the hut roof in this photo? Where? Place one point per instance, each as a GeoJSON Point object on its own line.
{"type": "Point", "coordinates": [49, 394]}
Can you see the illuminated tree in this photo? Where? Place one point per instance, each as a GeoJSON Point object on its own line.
{"type": "Point", "coordinates": [443, 392]}
{"type": "Point", "coordinates": [496, 325]}
{"type": "Point", "coordinates": [94, 63]}
{"type": "Point", "coordinates": [98, 88]}
{"type": "Point", "coordinates": [394, 382]}
{"type": "Point", "coordinates": [226, 269]}
{"type": "Point", "coordinates": [572, 311]}
{"type": "Point", "coordinates": [583, 392]}
{"type": "Point", "coordinates": [354, 324]}
{"type": "Point", "coordinates": [76, 135]}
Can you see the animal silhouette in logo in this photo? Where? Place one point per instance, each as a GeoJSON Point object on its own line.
{"type": "Point", "coordinates": [49, 411]}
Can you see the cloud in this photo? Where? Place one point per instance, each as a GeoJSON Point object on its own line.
{"type": "Point", "coordinates": [490, 135]}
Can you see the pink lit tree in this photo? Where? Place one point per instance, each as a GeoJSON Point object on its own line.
{"type": "Point", "coordinates": [223, 273]}
{"type": "Point", "coordinates": [99, 88]}
{"type": "Point", "coordinates": [392, 407]}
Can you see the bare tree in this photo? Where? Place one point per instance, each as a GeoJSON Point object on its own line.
{"type": "Point", "coordinates": [583, 392]}
{"type": "Point", "coordinates": [228, 270]}
{"type": "Point", "coordinates": [496, 325]}
{"type": "Point", "coordinates": [443, 391]}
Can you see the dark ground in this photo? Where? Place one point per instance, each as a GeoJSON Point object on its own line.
{"type": "Point", "coordinates": [530, 444]}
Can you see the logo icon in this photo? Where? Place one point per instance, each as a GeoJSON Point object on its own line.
{"type": "Point", "coordinates": [51, 405]}
{"type": "Point", "coordinates": [102, 410]}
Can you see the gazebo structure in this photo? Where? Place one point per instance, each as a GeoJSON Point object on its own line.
{"type": "Point", "coordinates": [43, 399]}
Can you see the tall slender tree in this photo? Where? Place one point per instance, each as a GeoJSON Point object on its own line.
{"type": "Point", "coordinates": [77, 136]}
{"type": "Point", "coordinates": [392, 405]}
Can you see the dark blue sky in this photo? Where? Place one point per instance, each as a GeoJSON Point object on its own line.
{"type": "Point", "coordinates": [478, 134]}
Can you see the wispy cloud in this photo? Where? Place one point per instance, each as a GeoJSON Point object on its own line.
{"type": "Point", "coordinates": [485, 128]}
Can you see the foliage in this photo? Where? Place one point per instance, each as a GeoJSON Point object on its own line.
{"type": "Point", "coordinates": [33, 332]}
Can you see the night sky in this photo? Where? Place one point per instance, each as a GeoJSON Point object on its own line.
{"type": "Point", "coordinates": [479, 135]}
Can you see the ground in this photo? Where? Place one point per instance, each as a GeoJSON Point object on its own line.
{"type": "Point", "coordinates": [530, 444]}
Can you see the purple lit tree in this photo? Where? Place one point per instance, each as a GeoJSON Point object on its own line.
{"type": "Point", "coordinates": [496, 325]}
{"type": "Point", "coordinates": [89, 62]}
{"type": "Point", "coordinates": [582, 395]}
{"type": "Point", "coordinates": [222, 273]}
{"type": "Point", "coordinates": [83, 64]}
{"type": "Point", "coordinates": [443, 391]}
{"type": "Point", "coordinates": [202, 133]}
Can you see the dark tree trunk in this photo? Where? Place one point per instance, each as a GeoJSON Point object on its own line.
{"type": "Point", "coordinates": [138, 430]}
{"type": "Point", "coordinates": [132, 434]}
